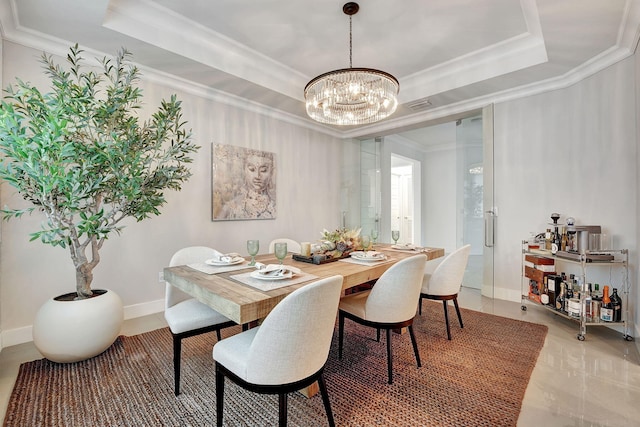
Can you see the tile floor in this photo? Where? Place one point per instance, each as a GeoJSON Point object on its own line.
{"type": "Point", "coordinates": [575, 383]}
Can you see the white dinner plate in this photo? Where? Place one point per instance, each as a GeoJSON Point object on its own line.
{"type": "Point", "coordinates": [368, 256]}
{"type": "Point", "coordinates": [235, 261]}
{"type": "Point", "coordinates": [260, 276]}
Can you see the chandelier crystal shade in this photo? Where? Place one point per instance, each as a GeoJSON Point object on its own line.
{"type": "Point", "coordinates": [351, 96]}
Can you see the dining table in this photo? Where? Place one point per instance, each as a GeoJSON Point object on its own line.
{"type": "Point", "coordinates": [242, 303]}
{"type": "Point", "coordinates": [231, 292]}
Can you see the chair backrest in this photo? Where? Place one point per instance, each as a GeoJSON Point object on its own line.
{"type": "Point", "coordinates": [292, 245]}
{"type": "Point", "coordinates": [294, 339]}
{"type": "Point", "coordinates": [185, 256]}
{"type": "Point", "coordinates": [446, 279]}
{"type": "Point", "coordinates": [395, 295]}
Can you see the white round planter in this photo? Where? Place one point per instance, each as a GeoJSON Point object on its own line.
{"type": "Point", "coordinates": [71, 331]}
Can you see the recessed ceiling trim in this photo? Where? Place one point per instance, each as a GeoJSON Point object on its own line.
{"type": "Point", "coordinates": [513, 54]}
{"type": "Point", "coordinates": [162, 27]}
{"type": "Point", "coordinates": [589, 68]}
{"type": "Point", "coordinates": [502, 58]}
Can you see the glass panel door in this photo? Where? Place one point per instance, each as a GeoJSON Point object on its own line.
{"type": "Point", "coordinates": [370, 183]}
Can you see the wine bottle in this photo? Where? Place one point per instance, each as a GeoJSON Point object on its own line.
{"type": "Point", "coordinates": [616, 301]}
{"type": "Point", "coordinates": [606, 312]}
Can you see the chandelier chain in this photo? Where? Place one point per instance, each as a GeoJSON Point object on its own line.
{"type": "Point", "coordinates": [350, 44]}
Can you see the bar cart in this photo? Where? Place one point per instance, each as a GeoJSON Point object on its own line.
{"type": "Point", "coordinates": [536, 292]}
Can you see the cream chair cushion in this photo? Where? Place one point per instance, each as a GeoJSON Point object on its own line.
{"type": "Point", "coordinates": [293, 341]}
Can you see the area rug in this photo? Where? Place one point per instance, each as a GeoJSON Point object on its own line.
{"type": "Point", "coordinates": [476, 379]}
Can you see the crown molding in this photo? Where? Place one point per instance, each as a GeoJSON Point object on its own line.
{"type": "Point", "coordinates": [154, 24]}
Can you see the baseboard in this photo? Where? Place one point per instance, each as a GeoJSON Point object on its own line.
{"type": "Point", "coordinates": [22, 335]}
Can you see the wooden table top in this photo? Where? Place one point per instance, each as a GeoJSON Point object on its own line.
{"type": "Point", "coordinates": [243, 304]}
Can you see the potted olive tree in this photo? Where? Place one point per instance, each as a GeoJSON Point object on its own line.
{"type": "Point", "coordinates": [82, 156]}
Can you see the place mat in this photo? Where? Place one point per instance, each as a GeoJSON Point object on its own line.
{"type": "Point", "coordinates": [269, 285]}
{"type": "Point", "coordinates": [215, 269]}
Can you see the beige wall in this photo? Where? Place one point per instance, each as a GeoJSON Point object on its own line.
{"type": "Point", "coordinates": [572, 151]}
{"type": "Point", "coordinates": [308, 200]}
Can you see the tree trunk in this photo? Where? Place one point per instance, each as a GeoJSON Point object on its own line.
{"type": "Point", "coordinates": [84, 277]}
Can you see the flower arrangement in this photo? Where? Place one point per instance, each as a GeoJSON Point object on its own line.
{"type": "Point", "coordinates": [338, 243]}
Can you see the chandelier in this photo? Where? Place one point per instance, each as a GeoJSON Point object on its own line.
{"type": "Point", "coordinates": [351, 96]}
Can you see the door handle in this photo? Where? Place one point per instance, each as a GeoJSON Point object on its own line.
{"type": "Point", "coordinates": [489, 228]}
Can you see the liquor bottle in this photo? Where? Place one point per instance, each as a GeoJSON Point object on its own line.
{"type": "Point", "coordinates": [586, 304]}
{"type": "Point", "coordinates": [597, 302]}
{"type": "Point", "coordinates": [547, 239]}
{"type": "Point", "coordinates": [606, 312]}
{"type": "Point", "coordinates": [563, 239]}
{"type": "Point", "coordinates": [617, 306]}
{"type": "Point", "coordinates": [568, 287]}
{"type": "Point", "coordinates": [555, 242]}
{"type": "Point", "coordinates": [560, 298]}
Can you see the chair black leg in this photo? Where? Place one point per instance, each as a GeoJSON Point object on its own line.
{"type": "Point", "coordinates": [455, 303]}
{"type": "Point", "coordinates": [415, 345]}
{"type": "Point", "coordinates": [282, 409]}
{"type": "Point", "coordinates": [389, 357]}
{"type": "Point", "coordinates": [219, 395]}
{"type": "Point", "coordinates": [340, 334]}
{"type": "Point", "coordinates": [325, 400]}
{"type": "Point", "coordinates": [378, 335]}
{"type": "Point", "coordinates": [420, 306]}
{"type": "Point", "coordinates": [446, 319]}
{"type": "Point", "coordinates": [177, 349]}
{"type": "Point", "coordinates": [218, 334]}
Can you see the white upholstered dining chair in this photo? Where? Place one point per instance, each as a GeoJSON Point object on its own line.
{"type": "Point", "coordinates": [390, 304]}
{"type": "Point", "coordinates": [445, 282]}
{"type": "Point", "coordinates": [292, 245]}
{"type": "Point", "coordinates": [185, 315]}
{"type": "Point", "coordinates": [287, 352]}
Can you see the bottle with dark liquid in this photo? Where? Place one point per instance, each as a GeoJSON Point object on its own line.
{"type": "Point", "coordinates": [555, 242]}
{"type": "Point", "coordinates": [606, 312]}
{"type": "Point", "coordinates": [616, 301]}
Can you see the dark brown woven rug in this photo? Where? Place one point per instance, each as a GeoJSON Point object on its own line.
{"type": "Point", "coordinates": [477, 379]}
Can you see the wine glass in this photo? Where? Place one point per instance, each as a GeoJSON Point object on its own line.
{"type": "Point", "coordinates": [366, 243]}
{"type": "Point", "coordinates": [280, 250]}
{"type": "Point", "coordinates": [253, 246]}
{"type": "Point", "coordinates": [374, 235]}
{"type": "Point", "coordinates": [395, 235]}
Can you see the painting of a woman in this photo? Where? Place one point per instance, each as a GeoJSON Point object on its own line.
{"type": "Point", "coordinates": [244, 184]}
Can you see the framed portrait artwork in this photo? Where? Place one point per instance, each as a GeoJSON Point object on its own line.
{"type": "Point", "coordinates": [243, 183]}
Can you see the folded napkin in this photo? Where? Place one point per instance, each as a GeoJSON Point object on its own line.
{"type": "Point", "coordinates": [367, 254]}
{"type": "Point", "coordinates": [277, 270]}
{"type": "Point", "coordinates": [220, 257]}
{"type": "Point", "coordinates": [406, 247]}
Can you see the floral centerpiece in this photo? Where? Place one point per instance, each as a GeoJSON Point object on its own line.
{"type": "Point", "coordinates": [338, 243]}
